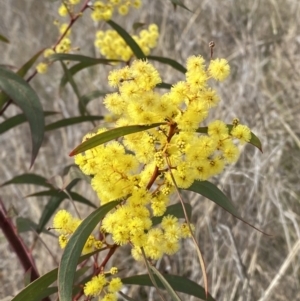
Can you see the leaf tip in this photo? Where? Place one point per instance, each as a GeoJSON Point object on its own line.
{"type": "Point", "coordinates": [72, 153]}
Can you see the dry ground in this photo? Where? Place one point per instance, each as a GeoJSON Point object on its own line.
{"type": "Point", "coordinates": [261, 39]}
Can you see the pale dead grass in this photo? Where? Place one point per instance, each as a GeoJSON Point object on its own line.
{"type": "Point", "coordinates": [262, 41]}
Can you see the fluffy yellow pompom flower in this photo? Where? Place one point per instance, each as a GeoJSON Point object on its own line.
{"type": "Point", "coordinates": [241, 132]}
{"type": "Point", "coordinates": [137, 3]}
{"type": "Point", "coordinates": [217, 129]}
{"type": "Point", "coordinates": [123, 10]}
{"type": "Point", "coordinates": [63, 240]}
{"type": "Point", "coordinates": [195, 63]}
{"type": "Point", "coordinates": [62, 10]}
{"type": "Point", "coordinates": [109, 297]}
{"type": "Point", "coordinates": [95, 286]}
{"type": "Point", "coordinates": [219, 69]}
{"type": "Point", "coordinates": [48, 52]}
{"type": "Point", "coordinates": [62, 221]}
{"type": "Point", "coordinates": [115, 285]}
{"type": "Point", "coordinates": [113, 270]}
{"type": "Point", "coordinates": [42, 68]}
{"type": "Point", "coordinates": [63, 27]}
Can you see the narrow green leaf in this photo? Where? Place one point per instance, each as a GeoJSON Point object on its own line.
{"type": "Point", "coordinates": [85, 99]}
{"type": "Point", "coordinates": [110, 135]}
{"type": "Point", "coordinates": [51, 207]}
{"type": "Point", "coordinates": [175, 210]}
{"type": "Point", "coordinates": [74, 248]}
{"type": "Point", "coordinates": [17, 120]}
{"type": "Point", "coordinates": [178, 283]}
{"type": "Point", "coordinates": [26, 225]}
{"type": "Point", "coordinates": [212, 192]}
{"type": "Point", "coordinates": [35, 289]}
{"type": "Point", "coordinates": [27, 277]}
{"type": "Point", "coordinates": [137, 25]}
{"type": "Point", "coordinates": [167, 61]}
{"type": "Point", "coordinates": [164, 86]}
{"type": "Point", "coordinates": [4, 39]}
{"type": "Point", "coordinates": [179, 3]}
{"type": "Point", "coordinates": [28, 178]}
{"type": "Point", "coordinates": [70, 79]}
{"type": "Point", "coordinates": [25, 97]}
{"type": "Point", "coordinates": [128, 39]}
{"type": "Point", "coordinates": [254, 139]}
{"type": "Point", "coordinates": [126, 297]}
{"type": "Point", "coordinates": [166, 284]}
{"type": "Point", "coordinates": [46, 292]}
{"type": "Point", "coordinates": [73, 70]}
{"type": "Point", "coordinates": [79, 58]}
{"type": "Point", "coordinates": [22, 72]}
{"type": "Point", "coordinates": [70, 121]}
{"type": "Point", "coordinates": [75, 196]}
{"type": "Point", "coordinates": [25, 68]}
{"type": "Point", "coordinates": [72, 82]}
{"type": "Point", "coordinates": [75, 173]}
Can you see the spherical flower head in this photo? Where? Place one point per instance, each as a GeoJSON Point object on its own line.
{"type": "Point", "coordinates": [123, 10]}
{"type": "Point", "coordinates": [62, 10]}
{"type": "Point", "coordinates": [241, 132]}
{"type": "Point", "coordinates": [98, 244]}
{"type": "Point", "coordinates": [137, 253]}
{"type": "Point", "coordinates": [48, 52]}
{"type": "Point", "coordinates": [185, 230]}
{"type": "Point", "coordinates": [171, 247]}
{"type": "Point", "coordinates": [169, 221]}
{"type": "Point", "coordinates": [62, 221]}
{"type": "Point", "coordinates": [115, 285]}
{"type": "Point", "coordinates": [217, 129]}
{"type": "Point", "coordinates": [109, 297]}
{"type": "Point", "coordinates": [89, 245]}
{"type": "Point", "coordinates": [210, 97]}
{"type": "Point", "coordinates": [137, 4]}
{"type": "Point", "coordinates": [95, 286]}
{"type": "Point", "coordinates": [153, 27]}
{"type": "Point", "coordinates": [113, 270]}
{"type": "Point", "coordinates": [107, 14]}
{"type": "Point", "coordinates": [145, 74]}
{"type": "Point", "coordinates": [155, 236]}
{"type": "Point", "coordinates": [195, 63]}
{"type": "Point", "coordinates": [115, 78]}
{"type": "Point", "coordinates": [155, 252]}
{"type": "Point", "coordinates": [230, 152]}
{"type": "Point", "coordinates": [63, 27]}
{"type": "Point", "coordinates": [219, 69]}
{"type": "Point", "coordinates": [42, 68]}
{"type": "Point", "coordinates": [63, 240]}
{"type": "Point", "coordinates": [217, 165]}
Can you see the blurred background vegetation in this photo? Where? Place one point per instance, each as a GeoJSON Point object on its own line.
{"type": "Point", "coordinates": [261, 40]}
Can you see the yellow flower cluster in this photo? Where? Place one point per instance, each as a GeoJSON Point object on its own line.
{"type": "Point", "coordinates": [99, 283]}
{"type": "Point", "coordinates": [65, 224]}
{"type": "Point", "coordinates": [140, 168]}
{"type": "Point", "coordinates": [67, 7]}
{"type": "Point", "coordinates": [64, 46]}
{"type": "Point", "coordinates": [112, 46]}
{"type": "Point", "coordinates": [103, 10]}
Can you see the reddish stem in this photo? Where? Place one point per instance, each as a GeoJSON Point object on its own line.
{"type": "Point", "coordinates": [17, 244]}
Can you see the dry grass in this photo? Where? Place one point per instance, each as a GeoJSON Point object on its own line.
{"type": "Point", "coordinates": [261, 40]}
